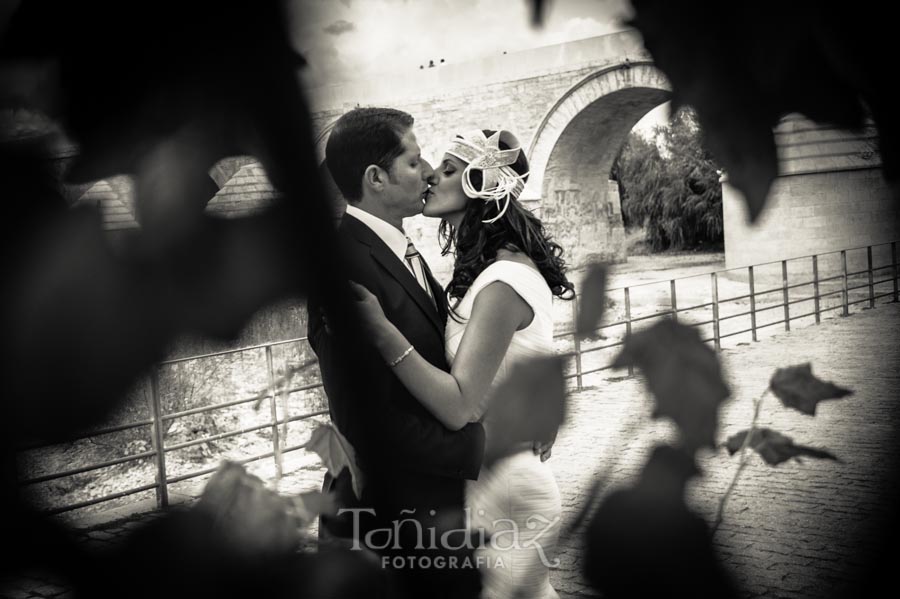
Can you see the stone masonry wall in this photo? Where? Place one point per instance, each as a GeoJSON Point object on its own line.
{"type": "Point", "coordinates": [830, 196]}
{"type": "Point", "coordinates": [494, 106]}
{"type": "Point", "coordinates": [456, 98]}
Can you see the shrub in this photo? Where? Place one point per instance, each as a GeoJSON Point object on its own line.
{"type": "Point", "coordinates": [670, 186]}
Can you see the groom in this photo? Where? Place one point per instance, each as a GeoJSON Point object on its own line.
{"type": "Point", "coordinates": [414, 467]}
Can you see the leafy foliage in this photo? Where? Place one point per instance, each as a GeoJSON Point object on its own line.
{"type": "Point", "coordinates": [670, 186]}
{"type": "Point", "coordinates": [684, 376]}
{"type": "Point", "coordinates": [774, 447]}
{"type": "Point", "coordinates": [798, 388]}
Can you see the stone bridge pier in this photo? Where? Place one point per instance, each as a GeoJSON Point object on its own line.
{"type": "Point", "coordinates": [573, 151]}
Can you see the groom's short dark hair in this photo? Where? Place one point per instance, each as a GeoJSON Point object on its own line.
{"type": "Point", "coordinates": [362, 137]}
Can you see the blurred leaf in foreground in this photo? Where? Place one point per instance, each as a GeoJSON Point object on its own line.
{"type": "Point", "coordinates": [98, 318]}
{"type": "Point", "coordinates": [683, 374]}
{"type": "Point", "coordinates": [238, 541]}
{"type": "Point", "coordinates": [250, 517]}
{"type": "Point", "coordinates": [308, 506]}
{"type": "Point", "coordinates": [798, 388]}
{"type": "Point", "coordinates": [591, 301]}
{"type": "Point", "coordinates": [644, 541]}
{"type": "Point", "coordinates": [774, 447]}
{"type": "Point", "coordinates": [744, 66]}
{"type": "Point", "coordinates": [530, 405]}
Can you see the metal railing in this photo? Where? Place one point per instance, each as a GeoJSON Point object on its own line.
{"type": "Point", "coordinates": [578, 371]}
{"type": "Point", "coordinates": [753, 297]}
{"type": "Point", "coordinates": [159, 420]}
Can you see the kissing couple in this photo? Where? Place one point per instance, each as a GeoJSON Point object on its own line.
{"type": "Point", "coordinates": [432, 356]}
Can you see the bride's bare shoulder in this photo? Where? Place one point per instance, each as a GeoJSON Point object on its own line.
{"type": "Point", "coordinates": [515, 256]}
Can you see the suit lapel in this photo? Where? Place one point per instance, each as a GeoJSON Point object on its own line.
{"type": "Point", "coordinates": [397, 269]}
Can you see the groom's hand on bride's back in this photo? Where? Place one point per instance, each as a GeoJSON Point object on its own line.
{"type": "Point", "coordinates": [528, 406]}
{"type": "Point", "coordinates": [498, 442]}
{"type": "Point", "coordinates": [543, 449]}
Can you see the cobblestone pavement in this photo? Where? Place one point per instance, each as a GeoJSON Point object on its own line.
{"type": "Point", "coordinates": [796, 530]}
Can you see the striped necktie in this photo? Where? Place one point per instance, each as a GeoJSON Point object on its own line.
{"type": "Point", "coordinates": [417, 266]}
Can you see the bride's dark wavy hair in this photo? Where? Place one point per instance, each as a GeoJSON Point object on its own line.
{"type": "Point", "coordinates": [476, 243]}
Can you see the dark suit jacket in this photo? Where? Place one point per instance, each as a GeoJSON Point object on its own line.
{"type": "Point", "coordinates": [410, 460]}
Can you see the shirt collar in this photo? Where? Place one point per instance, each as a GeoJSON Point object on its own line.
{"type": "Point", "coordinates": [392, 237]}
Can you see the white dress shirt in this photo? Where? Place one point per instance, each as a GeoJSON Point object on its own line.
{"type": "Point", "coordinates": [392, 237]}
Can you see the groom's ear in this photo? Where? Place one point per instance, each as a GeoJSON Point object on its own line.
{"type": "Point", "coordinates": [374, 177]}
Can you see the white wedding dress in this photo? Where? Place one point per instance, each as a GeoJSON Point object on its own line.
{"type": "Point", "coordinates": [516, 500]}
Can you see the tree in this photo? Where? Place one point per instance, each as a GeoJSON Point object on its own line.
{"type": "Point", "coordinates": [670, 186]}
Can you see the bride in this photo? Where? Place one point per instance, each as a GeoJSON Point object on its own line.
{"type": "Point", "coordinates": [505, 275]}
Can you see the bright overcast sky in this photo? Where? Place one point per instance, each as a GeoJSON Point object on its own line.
{"type": "Point", "coordinates": [344, 40]}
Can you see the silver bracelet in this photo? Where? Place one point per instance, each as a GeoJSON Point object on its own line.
{"type": "Point", "coordinates": [402, 356]}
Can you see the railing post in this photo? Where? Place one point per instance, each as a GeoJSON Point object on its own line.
{"type": "Point", "coordinates": [894, 269]}
{"type": "Point", "coordinates": [752, 303]}
{"type": "Point", "coordinates": [815, 260]}
{"type": "Point", "coordinates": [674, 301]}
{"type": "Point", "coordinates": [577, 343]}
{"type": "Point", "coordinates": [285, 402]}
{"type": "Point", "coordinates": [845, 294]}
{"type": "Point", "coordinates": [714, 288]}
{"type": "Point", "coordinates": [784, 295]}
{"type": "Point", "coordinates": [273, 410]}
{"type": "Point", "coordinates": [871, 278]}
{"type": "Point", "coordinates": [158, 440]}
{"type": "Point", "coordinates": [628, 324]}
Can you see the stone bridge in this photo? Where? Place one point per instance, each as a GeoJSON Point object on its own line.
{"type": "Point", "coordinates": [571, 105]}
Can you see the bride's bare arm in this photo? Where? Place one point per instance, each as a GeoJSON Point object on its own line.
{"type": "Point", "coordinates": [454, 397]}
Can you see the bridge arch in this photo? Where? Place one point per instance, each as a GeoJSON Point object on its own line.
{"type": "Point", "coordinates": [572, 152]}
{"type": "Point", "coordinates": [322, 139]}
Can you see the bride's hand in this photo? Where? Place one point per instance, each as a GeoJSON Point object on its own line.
{"type": "Point", "coordinates": [371, 314]}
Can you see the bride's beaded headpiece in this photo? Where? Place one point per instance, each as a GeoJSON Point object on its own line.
{"type": "Point", "coordinates": [499, 180]}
